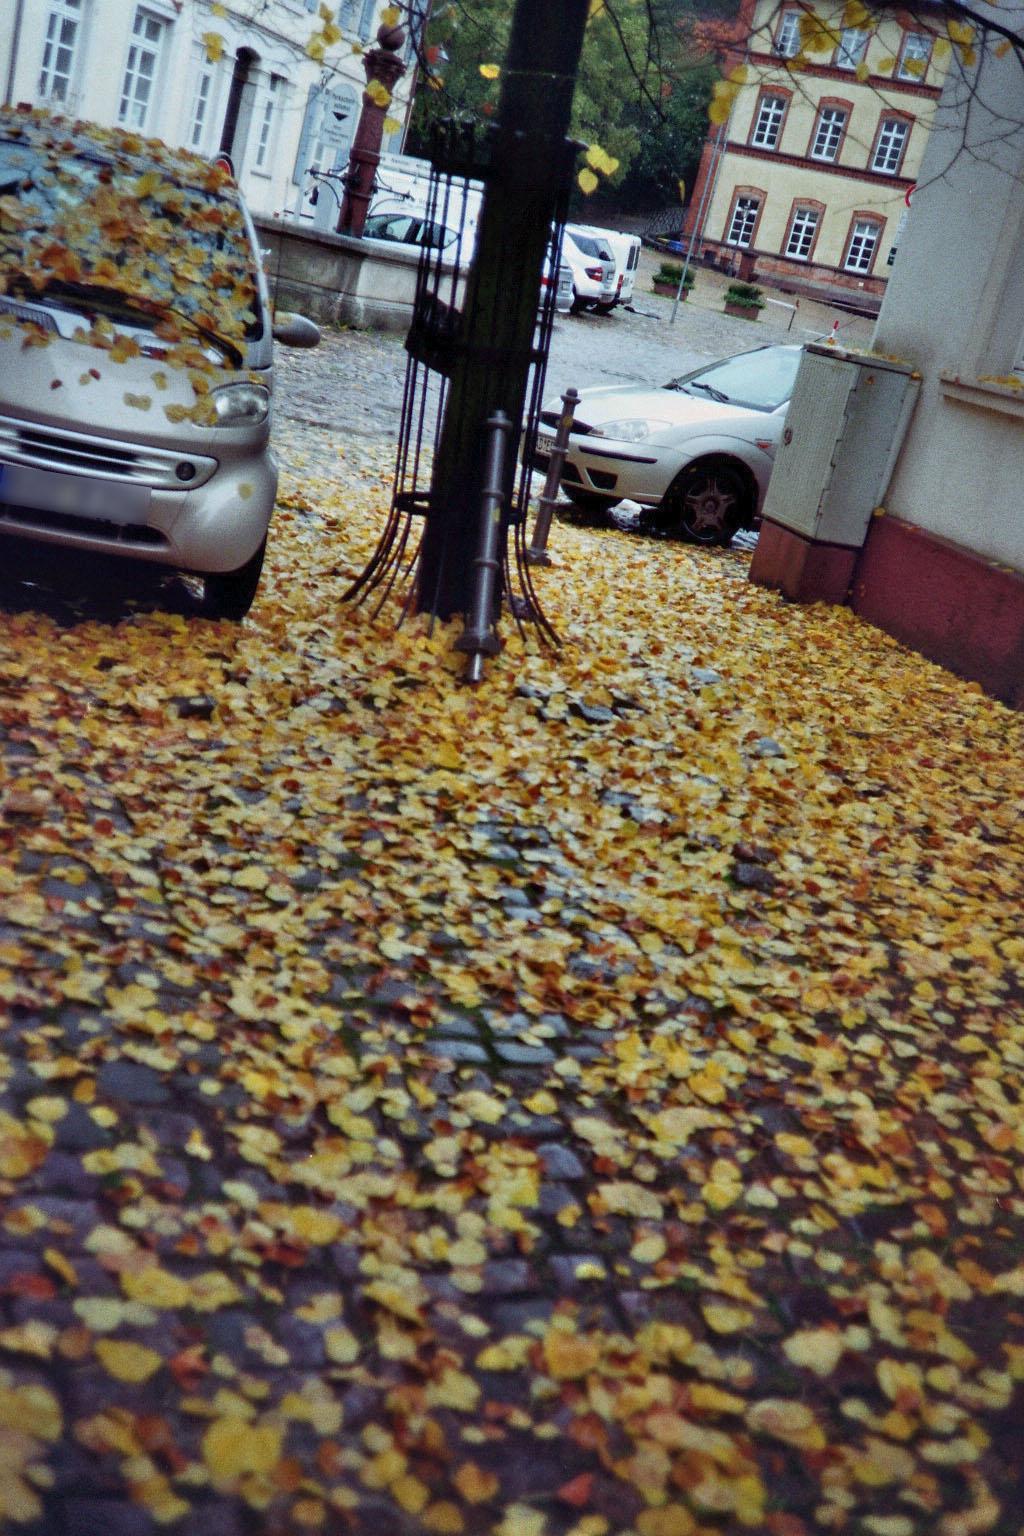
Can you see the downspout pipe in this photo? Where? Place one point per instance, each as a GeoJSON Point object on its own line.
{"type": "Point", "coordinates": [19, 11]}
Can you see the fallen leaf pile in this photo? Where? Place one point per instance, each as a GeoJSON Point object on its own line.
{"type": "Point", "coordinates": [589, 1104]}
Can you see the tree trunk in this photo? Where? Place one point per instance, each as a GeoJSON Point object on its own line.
{"type": "Point", "coordinates": [529, 169]}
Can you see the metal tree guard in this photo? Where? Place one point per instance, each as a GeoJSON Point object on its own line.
{"type": "Point", "coordinates": [478, 347]}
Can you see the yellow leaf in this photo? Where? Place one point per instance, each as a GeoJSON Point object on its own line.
{"type": "Point", "coordinates": [725, 1319]}
{"type": "Point", "coordinates": [567, 1356]}
{"type": "Point", "coordinates": [392, 124]}
{"type": "Point", "coordinates": [314, 1226]}
{"type": "Point", "coordinates": [390, 16]}
{"type": "Point", "coordinates": [156, 1287]}
{"type": "Point", "coordinates": [315, 49]}
{"type": "Point", "coordinates": [490, 71]}
{"type": "Point", "coordinates": [722, 97]}
{"type": "Point", "coordinates": [214, 45]}
{"type": "Point", "coordinates": [816, 1349]}
{"type": "Point", "coordinates": [341, 1345]}
{"type": "Point", "coordinates": [454, 1389]}
{"type": "Point", "coordinates": [507, 1355]}
{"type": "Point", "coordinates": [786, 1420]}
{"type": "Point", "coordinates": [475, 1485]}
{"type": "Point", "coordinates": [443, 1519]}
{"type": "Point", "coordinates": [587, 181]}
{"type": "Point", "coordinates": [31, 1410]}
{"type": "Point", "coordinates": [378, 93]}
{"type": "Point", "coordinates": [126, 1361]}
{"type": "Point", "coordinates": [232, 1448]}
{"type": "Point", "coordinates": [60, 1266]}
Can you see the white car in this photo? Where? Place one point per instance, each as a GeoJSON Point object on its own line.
{"type": "Point", "coordinates": [625, 252]}
{"type": "Point", "coordinates": [136, 360]}
{"type": "Point", "coordinates": [696, 453]}
{"type": "Point", "coordinates": [593, 270]}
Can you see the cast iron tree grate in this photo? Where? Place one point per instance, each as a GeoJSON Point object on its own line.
{"type": "Point", "coordinates": [460, 332]}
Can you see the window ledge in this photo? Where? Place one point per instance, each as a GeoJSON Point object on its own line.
{"type": "Point", "coordinates": [987, 393]}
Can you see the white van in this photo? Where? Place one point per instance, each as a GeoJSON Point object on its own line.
{"type": "Point", "coordinates": [625, 252]}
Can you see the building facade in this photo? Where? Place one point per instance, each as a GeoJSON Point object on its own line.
{"type": "Point", "coordinates": [236, 78]}
{"type": "Point", "coordinates": [808, 185]}
{"type": "Point", "coordinates": [941, 562]}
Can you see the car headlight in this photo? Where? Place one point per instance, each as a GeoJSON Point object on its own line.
{"type": "Point", "coordinates": [240, 405]}
{"type": "Point", "coordinates": [629, 431]}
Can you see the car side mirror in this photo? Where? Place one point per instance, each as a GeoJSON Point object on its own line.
{"type": "Point", "coordinates": [296, 331]}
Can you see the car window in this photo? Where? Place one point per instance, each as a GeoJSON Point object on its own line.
{"type": "Point", "coordinates": [591, 247]}
{"type": "Point", "coordinates": [401, 227]}
{"type": "Point", "coordinates": [84, 215]}
{"type": "Point", "coordinates": [761, 380]}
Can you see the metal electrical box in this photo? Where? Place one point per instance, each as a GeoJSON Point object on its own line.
{"type": "Point", "coordinates": [844, 428]}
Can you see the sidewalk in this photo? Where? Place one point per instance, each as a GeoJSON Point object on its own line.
{"type": "Point", "coordinates": [590, 1104]}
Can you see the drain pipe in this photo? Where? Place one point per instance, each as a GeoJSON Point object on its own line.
{"type": "Point", "coordinates": [19, 10]}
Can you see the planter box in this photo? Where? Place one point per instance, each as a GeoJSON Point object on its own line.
{"type": "Point", "coordinates": [668, 289]}
{"type": "Point", "coordinates": [742, 311]}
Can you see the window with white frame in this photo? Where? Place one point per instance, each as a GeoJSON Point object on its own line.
{"type": "Point", "coordinates": [914, 56]}
{"type": "Point", "coordinates": [348, 12]}
{"type": "Point", "coordinates": [60, 49]}
{"type": "Point", "coordinates": [828, 133]}
{"type": "Point", "coordinates": [744, 218]}
{"type": "Point", "coordinates": [366, 19]}
{"type": "Point", "coordinates": [202, 104]}
{"type": "Point", "coordinates": [268, 122]}
{"type": "Point", "coordinates": [863, 241]}
{"type": "Point", "coordinates": [853, 42]}
{"type": "Point", "coordinates": [802, 232]}
{"type": "Point", "coordinates": [770, 112]}
{"type": "Point", "coordinates": [892, 141]}
{"type": "Point", "coordinates": [787, 38]}
{"type": "Point", "coordinates": [141, 69]}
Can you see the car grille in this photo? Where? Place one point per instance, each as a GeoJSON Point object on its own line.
{"type": "Point", "coordinates": [138, 534]}
{"type": "Point", "coordinates": [48, 448]}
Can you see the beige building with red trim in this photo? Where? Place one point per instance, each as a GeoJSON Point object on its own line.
{"type": "Point", "coordinates": [807, 185]}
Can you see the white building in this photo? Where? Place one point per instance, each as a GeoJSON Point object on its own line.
{"type": "Point", "coordinates": [234, 78]}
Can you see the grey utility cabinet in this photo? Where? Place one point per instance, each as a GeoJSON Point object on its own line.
{"type": "Point", "coordinates": [844, 428]}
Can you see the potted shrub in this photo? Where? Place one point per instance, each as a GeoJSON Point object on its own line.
{"type": "Point", "coordinates": [744, 300]}
{"type": "Point", "coordinates": [666, 279]}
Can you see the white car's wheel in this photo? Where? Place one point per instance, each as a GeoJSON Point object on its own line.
{"type": "Point", "coordinates": [230, 594]}
{"type": "Point", "coordinates": [706, 503]}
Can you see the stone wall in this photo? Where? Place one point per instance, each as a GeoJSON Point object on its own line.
{"type": "Point", "coordinates": [337, 280]}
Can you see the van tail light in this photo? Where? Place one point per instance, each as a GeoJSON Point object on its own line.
{"type": "Point", "coordinates": [595, 272]}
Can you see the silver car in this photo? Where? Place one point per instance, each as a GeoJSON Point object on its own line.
{"type": "Point", "coordinates": [135, 356]}
{"type": "Point", "coordinates": [695, 453]}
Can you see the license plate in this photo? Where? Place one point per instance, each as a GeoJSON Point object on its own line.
{"type": "Point", "coordinates": [45, 490]}
{"type": "Point", "coordinates": [545, 443]}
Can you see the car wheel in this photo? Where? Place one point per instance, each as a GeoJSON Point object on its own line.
{"type": "Point", "coordinates": [230, 594]}
{"type": "Point", "coordinates": [705, 503]}
{"type": "Point", "coordinates": [577, 304]}
{"type": "Point", "coordinates": [589, 501]}
{"type": "Point", "coordinates": [604, 309]}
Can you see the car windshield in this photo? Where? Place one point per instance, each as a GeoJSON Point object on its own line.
{"type": "Point", "coordinates": [760, 380]}
{"type": "Point", "coordinates": [107, 222]}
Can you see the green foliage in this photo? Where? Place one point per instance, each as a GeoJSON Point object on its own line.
{"type": "Point", "coordinates": [745, 296]}
{"type": "Point", "coordinates": [672, 272]}
{"type": "Point", "coordinates": [641, 95]}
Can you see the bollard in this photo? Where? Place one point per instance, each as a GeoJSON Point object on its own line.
{"type": "Point", "coordinates": [537, 553]}
{"type": "Point", "coordinates": [479, 637]}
